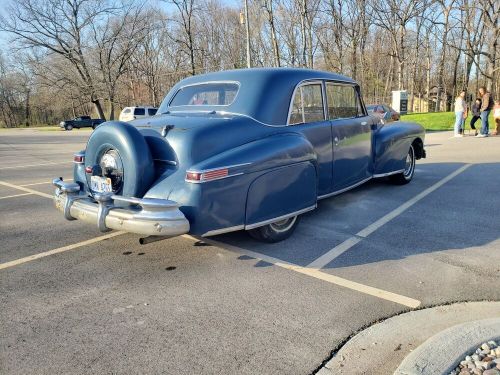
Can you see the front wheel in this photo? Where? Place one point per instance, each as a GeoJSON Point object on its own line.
{"type": "Point", "coordinates": [68, 127]}
{"type": "Point", "coordinates": [275, 232]}
{"type": "Point", "coordinates": [407, 174]}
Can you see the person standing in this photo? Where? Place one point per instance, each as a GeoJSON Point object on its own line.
{"type": "Point", "coordinates": [476, 115]}
{"type": "Point", "coordinates": [460, 114]}
{"type": "Point", "coordinates": [486, 107]}
{"type": "Point", "coordinates": [496, 116]}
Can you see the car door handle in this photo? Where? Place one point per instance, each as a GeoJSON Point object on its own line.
{"type": "Point", "coordinates": [364, 123]}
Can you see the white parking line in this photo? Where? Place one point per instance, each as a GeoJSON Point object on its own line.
{"type": "Point", "coordinates": [27, 190]}
{"type": "Point", "coordinates": [338, 250]}
{"type": "Point", "coordinates": [44, 182]}
{"type": "Point", "coordinates": [59, 250]}
{"type": "Point", "coordinates": [366, 289]}
{"type": "Point", "coordinates": [41, 164]}
{"type": "Point", "coordinates": [15, 195]}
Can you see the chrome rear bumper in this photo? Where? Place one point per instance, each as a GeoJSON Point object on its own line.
{"type": "Point", "coordinates": [146, 216]}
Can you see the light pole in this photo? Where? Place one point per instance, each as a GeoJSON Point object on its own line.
{"type": "Point", "coordinates": [247, 27]}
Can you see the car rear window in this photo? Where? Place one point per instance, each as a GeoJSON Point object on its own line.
{"type": "Point", "coordinates": [126, 110]}
{"type": "Point", "coordinates": [215, 93]}
{"type": "Point", "coordinates": [152, 111]}
{"type": "Point", "coordinates": [139, 111]}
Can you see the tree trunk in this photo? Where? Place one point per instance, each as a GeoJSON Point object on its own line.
{"type": "Point", "coordinates": [446, 13]}
{"type": "Point", "coordinates": [354, 60]}
{"type": "Point", "coordinates": [303, 32]}
{"type": "Point", "coordinates": [276, 49]}
{"type": "Point", "coordinates": [27, 109]}
{"type": "Point", "coordinates": [98, 107]}
{"type": "Point", "coordinates": [111, 109]}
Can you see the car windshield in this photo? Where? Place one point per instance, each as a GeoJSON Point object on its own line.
{"type": "Point", "coordinates": [206, 94]}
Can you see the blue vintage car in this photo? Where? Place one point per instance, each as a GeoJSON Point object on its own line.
{"type": "Point", "coordinates": [248, 149]}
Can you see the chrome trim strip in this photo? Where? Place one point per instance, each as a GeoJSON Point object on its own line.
{"type": "Point", "coordinates": [344, 189]}
{"type": "Point", "coordinates": [270, 221]}
{"type": "Point", "coordinates": [388, 173]}
{"type": "Point", "coordinates": [213, 179]}
{"type": "Point", "coordinates": [169, 162]}
{"type": "Point", "coordinates": [223, 230]}
{"type": "Point", "coordinates": [249, 117]}
{"type": "Point", "coordinates": [215, 169]}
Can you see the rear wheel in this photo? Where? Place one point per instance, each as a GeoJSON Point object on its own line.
{"type": "Point", "coordinates": [407, 174]}
{"type": "Point", "coordinates": [68, 127]}
{"type": "Point", "coordinates": [275, 232]}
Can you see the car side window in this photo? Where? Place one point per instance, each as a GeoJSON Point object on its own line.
{"type": "Point", "coordinates": [126, 110]}
{"type": "Point", "coordinates": [307, 105]}
{"type": "Point", "coordinates": [139, 112]}
{"type": "Point", "coordinates": [152, 111]}
{"type": "Point", "coordinates": [343, 101]}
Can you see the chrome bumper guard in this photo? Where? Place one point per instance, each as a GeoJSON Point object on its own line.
{"type": "Point", "coordinates": [146, 216]}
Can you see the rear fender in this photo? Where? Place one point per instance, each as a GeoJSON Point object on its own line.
{"type": "Point", "coordinates": [392, 143]}
{"type": "Point", "coordinates": [281, 192]}
{"type": "Point", "coordinates": [269, 177]}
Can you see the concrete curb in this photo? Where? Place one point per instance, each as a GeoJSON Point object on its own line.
{"type": "Point", "coordinates": [382, 347]}
{"type": "Point", "coordinates": [441, 353]}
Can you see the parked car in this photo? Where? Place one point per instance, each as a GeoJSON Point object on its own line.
{"type": "Point", "coordinates": [384, 112]}
{"type": "Point", "coordinates": [262, 148]}
{"type": "Point", "coordinates": [133, 113]}
{"type": "Point", "coordinates": [81, 122]}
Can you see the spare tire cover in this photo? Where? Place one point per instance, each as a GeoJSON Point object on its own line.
{"type": "Point", "coordinates": [133, 151]}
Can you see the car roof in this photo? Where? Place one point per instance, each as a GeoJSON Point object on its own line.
{"type": "Point", "coordinates": [264, 94]}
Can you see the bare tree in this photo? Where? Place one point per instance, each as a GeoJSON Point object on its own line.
{"type": "Point", "coordinates": [186, 21]}
{"type": "Point", "coordinates": [60, 27]}
{"type": "Point", "coordinates": [268, 6]}
{"type": "Point", "coordinates": [116, 40]}
{"type": "Point", "coordinates": [394, 16]}
{"type": "Point", "coordinates": [491, 19]}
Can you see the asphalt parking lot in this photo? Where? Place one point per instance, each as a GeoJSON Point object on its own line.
{"type": "Point", "coordinates": [78, 301]}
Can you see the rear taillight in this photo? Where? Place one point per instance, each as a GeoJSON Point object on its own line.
{"type": "Point", "coordinates": [214, 174]}
{"type": "Point", "coordinates": [78, 158]}
{"type": "Point", "coordinates": [193, 176]}
{"type": "Point", "coordinates": [88, 169]}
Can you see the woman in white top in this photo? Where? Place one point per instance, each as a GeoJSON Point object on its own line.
{"type": "Point", "coordinates": [460, 114]}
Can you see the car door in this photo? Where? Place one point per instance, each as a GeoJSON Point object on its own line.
{"type": "Point", "coordinates": [307, 116]}
{"type": "Point", "coordinates": [351, 134]}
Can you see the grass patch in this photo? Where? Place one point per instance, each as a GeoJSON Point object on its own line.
{"type": "Point", "coordinates": [441, 120]}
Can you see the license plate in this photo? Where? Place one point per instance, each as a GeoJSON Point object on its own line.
{"type": "Point", "coordinates": [100, 184]}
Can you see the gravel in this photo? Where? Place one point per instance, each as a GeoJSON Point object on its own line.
{"type": "Point", "coordinates": [484, 361]}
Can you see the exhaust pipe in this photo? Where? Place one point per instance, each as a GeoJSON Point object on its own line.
{"type": "Point", "coordinates": [150, 239]}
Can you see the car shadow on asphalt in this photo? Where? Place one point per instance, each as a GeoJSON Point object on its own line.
{"type": "Point", "coordinates": [455, 216]}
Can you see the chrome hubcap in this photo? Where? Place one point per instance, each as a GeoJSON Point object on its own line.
{"type": "Point", "coordinates": [410, 163]}
{"type": "Point", "coordinates": [112, 167]}
{"type": "Point", "coordinates": [283, 225]}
